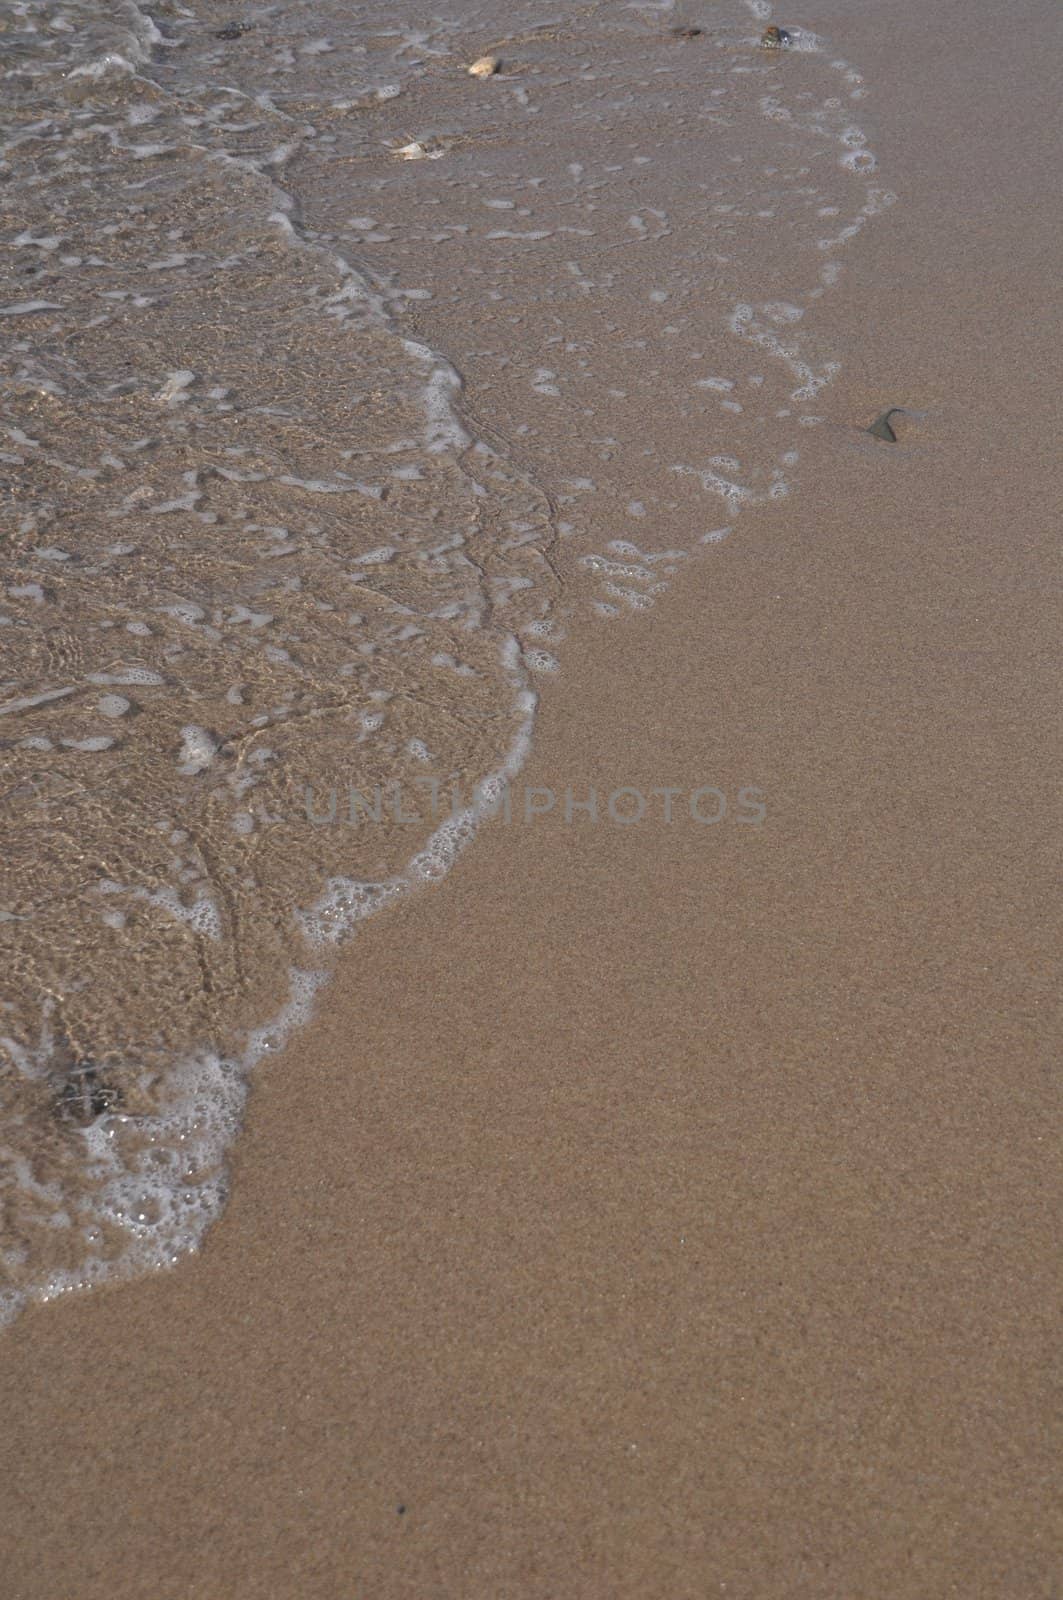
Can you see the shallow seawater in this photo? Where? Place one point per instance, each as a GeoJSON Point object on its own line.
{"type": "Point", "coordinates": [312, 454]}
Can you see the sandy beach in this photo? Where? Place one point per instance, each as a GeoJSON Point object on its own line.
{"type": "Point", "coordinates": [673, 1209]}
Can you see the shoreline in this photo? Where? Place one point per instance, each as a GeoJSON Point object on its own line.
{"type": "Point", "coordinates": [179, 1050]}
{"type": "Point", "coordinates": [708, 1244]}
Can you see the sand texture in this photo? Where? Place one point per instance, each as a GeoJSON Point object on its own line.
{"type": "Point", "coordinates": [673, 1211]}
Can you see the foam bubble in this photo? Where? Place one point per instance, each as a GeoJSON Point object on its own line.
{"type": "Point", "coordinates": [197, 750]}
{"type": "Point", "coordinates": [92, 745]}
{"type": "Point", "coordinates": [202, 916]}
{"type": "Point", "coordinates": [129, 675]}
{"type": "Point", "coordinates": [174, 390]}
{"type": "Point", "coordinates": [344, 903]}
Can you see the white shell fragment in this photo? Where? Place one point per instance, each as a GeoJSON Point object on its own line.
{"type": "Point", "coordinates": [419, 150]}
{"type": "Point", "coordinates": [485, 67]}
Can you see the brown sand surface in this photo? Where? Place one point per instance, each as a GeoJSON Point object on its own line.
{"type": "Point", "coordinates": [673, 1211]}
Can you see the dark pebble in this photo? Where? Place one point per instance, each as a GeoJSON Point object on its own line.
{"type": "Point", "coordinates": [881, 428]}
{"type": "Point", "coordinates": [85, 1095]}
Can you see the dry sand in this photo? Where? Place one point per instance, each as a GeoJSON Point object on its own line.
{"type": "Point", "coordinates": [684, 1216]}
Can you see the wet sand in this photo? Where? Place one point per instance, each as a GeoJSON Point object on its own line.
{"type": "Point", "coordinates": [684, 1219]}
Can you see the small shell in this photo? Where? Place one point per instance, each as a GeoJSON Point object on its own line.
{"type": "Point", "coordinates": [419, 150]}
{"type": "Point", "coordinates": [485, 67]}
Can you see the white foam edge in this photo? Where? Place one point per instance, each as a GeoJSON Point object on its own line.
{"type": "Point", "coordinates": [193, 1130]}
{"type": "Point", "coordinates": [207, 1093]}
{"type": "Point", "coordinates": [141, 38]}
{"type": "Point", "coordinates": [346, 902]}
{"type": "Point", "coordinates": [443, 384]}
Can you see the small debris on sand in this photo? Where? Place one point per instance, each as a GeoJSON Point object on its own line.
{"type": "Point", "coordinates": [776, 38]}
{"type": "Point", "coordinates": [84, 1095]}
{"type": "Point", "coordinates": [881, 427]}
{"type": "Point", "coordinates": [233, 30]}
{"type": "Point", "coordinates": [485, 67]}
{"type": "Point", "coordinates": [686, 33]}
{"type": "Point", "coordinates": [419, 150]}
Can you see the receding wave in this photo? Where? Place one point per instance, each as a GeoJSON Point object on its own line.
{"type": "Point", "coordinates": [309, 448]}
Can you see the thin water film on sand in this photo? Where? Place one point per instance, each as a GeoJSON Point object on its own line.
{"type": "Point", "coordinates": [314, 446]}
